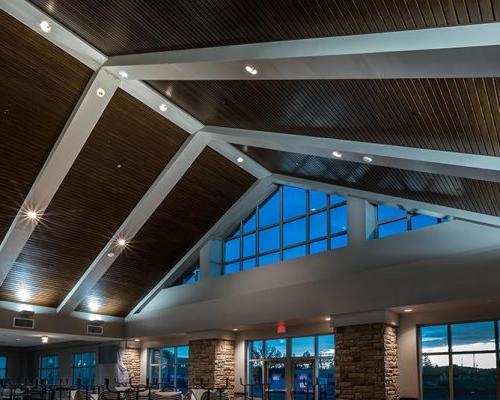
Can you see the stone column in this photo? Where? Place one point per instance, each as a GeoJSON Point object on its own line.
{"type": "Point", "coordinates": [131, 358]}
{"type": "Point", "coordinates": [366, 361]}
{"type": "Point", "coordinates": [212, 360]}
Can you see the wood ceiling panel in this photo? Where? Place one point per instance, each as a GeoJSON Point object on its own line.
{"type": "Point", "coordinates": [39, 86]}
{"type": "Point", "coordinates": [152, 25]}
{"type": "Point", "coordinates": [127, 150]}
{"type": "Point", "coordinates": [202, 196]}
{"type": "Point", "coordinates": [466, 194]}
{"type": "Point", "coordinates": [461, 115]}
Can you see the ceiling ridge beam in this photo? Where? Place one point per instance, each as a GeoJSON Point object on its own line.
{"type": "Point", "coordinates": [472, 166]}
{"type": "Point", "coordinates": [161, 187]}
{"type": "Point", "coordinates": [408, 204]}
{"type": "Point", "coordinates": [261, 189]}
{"type": "Point", "coordinates": [75, 133]}
{"type": "Point", "coordinates": [457, 51]}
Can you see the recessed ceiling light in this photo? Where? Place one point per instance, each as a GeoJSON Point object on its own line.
{"type": "Point", "coordinates": [100, 92]}
{"type": "Point", "coordinates": [45, 339]}
{"type": "Point", "coordinates": [235, 329]}
{"type": "Point", "coordinates": [137, 340]}
{"type": "Point", "coordinates": [45, 26]}
{"type": "Point", "coordinates": [251, 70]}
{"type": "Point", "coordinates": [337, 154]}
{"type": "Point", "coordinates": [93, 305]}
{"type": "Point", "coordinates": [123, 74]}
{"type": "Point", "coordinates": [111, 255]}
{"type": "Point", "coordinates": [240, 159]}
{"type": "Point", "coordinates": [163, 107]}
{"type": "Point", "coordinates": [32, 215]}
{"type": "Point", "coordinates": [121, 242]}
{"type": "Point", "coordinates": [367, 159]}
{"type": "Point", "coordinates": [23, 295]}
{"type": "Point", "coordinates": [408, 310]}
{"type": "Point", "coordinates": [328, 318]}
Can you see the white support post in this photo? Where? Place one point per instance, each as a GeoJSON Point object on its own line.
{"type": "Point", "coordinates": [361, 221]}
{"type": "Point", "coordinates": [211, 259]}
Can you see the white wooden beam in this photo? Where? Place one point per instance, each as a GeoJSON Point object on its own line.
{"type": "Point", "coordinates": [432, 161]}
{"type": "Point", "coordinates": [459, 51]}
{"type": "Point", "coordinates": [72, 139]}
{"type": "Point", "coordinates": [254, 195]}
{"type": "Point", "coordinates": [411, 205]}
{"type": "Point", "coordinates": [162, 186]}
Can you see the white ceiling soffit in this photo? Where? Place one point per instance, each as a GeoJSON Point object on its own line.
{"type": "Point", "coordinates": [459, 51]}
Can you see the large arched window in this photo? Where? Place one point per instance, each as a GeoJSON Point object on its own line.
{"type": "Point", "coordinates": [292, 222]}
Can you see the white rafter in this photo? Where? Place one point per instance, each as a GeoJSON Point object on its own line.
{"type": "Point", "coordinates": [432, 161]}
{"type": "Point", "coordinates": [72, 139]}
{"type": "Point", "coordinates": [158, 191]}
{"type": "Point", "coordinates": [458, 51]}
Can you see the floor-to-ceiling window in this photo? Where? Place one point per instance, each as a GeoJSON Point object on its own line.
{"type": "Point", "coordinates": [459, 361]}
{"type": "Point", "coordinates": [168, 367]}
{"type": "Point", "coordinates": [49, 369]}
{"type": "Point", "coordinates": [84, 368]}
{"type": "Point", "coordinates": [291, 223]}
{"type": "Point", "coordinates": [299, 368]}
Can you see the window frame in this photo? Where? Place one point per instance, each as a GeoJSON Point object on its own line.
{"type": "Point", "coordinates": [41, 368]}
{"type": "Point", "coordinates": [450, 353]}
{"type": "Point", "coordinates": [92, 367]}
{"type": "Point", "coordinates": [159, 365]}
{"type": "Point", "coordinates": [238, 233]}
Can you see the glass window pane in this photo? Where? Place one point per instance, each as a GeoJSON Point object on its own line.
{"type": "Point", "coordinates": [421, 221]}
{"type": "Point", "coordinates": [317, 226]}
{"type": "Point", "coordinates": [339, 241]}
{"type": "Point", "coordinates": [154, 356]}
{"type": "Point", "coordinates": [435, 377]}
{"type": "Point", "coordinates": [269, 212]}
{"type": "Point", "coordinates": [275, 348]}
{"type": "Point", "coordinates": [272, 258]}
{"type": "Point", "coordinates": [326, 375]}
{"type": "Point", "coordinates": [257, 349]}
{"type": "Point", "coordinates": [294, 232]}
{"type": "Point", "coordinates": [232, 250]}
{"type": "Point", "coordinates": [434, 339]}
{"type": "Point", "coordinates": [303, 346]}
{"type": "Point", "coordinates": [231, 268]}
{"type": "Point", "coordinates": [250, 224]}
{"type": "Point", "coordinates": [474, 376]}
{"type": "Point", "coordinates": [249, 245]}
{"type": "Point", "coordinates": [338, 219]}
{"type": "Point", "coordinates": [326, 345]}
{"type": "Point", "coordinates": [317, 200]}
{"type": "Point", "coordinates": [392, 228]}
{"type": "Point", "coordinates": [236, 232]}
{"type": "Point", "coordinates": [386, 212]}
{"type": "Point", "coordinates": [294, 202]}
{"type": "Point", "coordinates": [167, 355]}
{"type": "Point", "coordinates": [473, 336]}
{"type": "Point", "coordinates": [249, 264]}
{"type": "Point", "coordinates": [336, 199]}
{"type": "Point", "coordinates": [182, 352]}
{"type": "Point", "coordinates": [255, 371]}
{"type": "Point", "coordinates": [269, 239]}
{"type": "Point", "coordinates": [294, 252]}
{"type": "Point", "coordinates": [318, 247]}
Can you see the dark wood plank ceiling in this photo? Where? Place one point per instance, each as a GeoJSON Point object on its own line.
{"type": "Point", "coordinates": [202, 196]}
{"type": "Point", "coordinates": [152, 25]}
{"type": "Point", "coordinates": [461, 115]}
{"type": "Point", "coordinates": [125, 153]}
{"type": "Point", "coordinates": [460, 193]}
{"type": "Point", "coordinates": [39, 86]}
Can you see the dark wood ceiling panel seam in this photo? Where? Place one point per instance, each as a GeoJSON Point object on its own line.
{"type": "Point", "coordinates": [494, 104]}
{"type": "Point", "coordinates": [487, 114]}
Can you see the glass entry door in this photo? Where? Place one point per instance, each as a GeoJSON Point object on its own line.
{"type": "Point", "coordinates": [276, 380]}
{"type": "Point", "coordinates": [303, 380]}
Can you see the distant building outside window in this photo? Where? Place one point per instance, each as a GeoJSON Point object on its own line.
{"type": "Point", "coordinates": [293, 222]}
{"type": "Point", "coordinates": [84, 368]}
{"type": "Point", "coordinates": [168, 367]}
{"type": "Point", "coordinates": [49, 369]}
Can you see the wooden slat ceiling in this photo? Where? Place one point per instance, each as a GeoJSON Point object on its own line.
{"type": "Point", "coordinates": [39, 86]}
{"type": "Point", "coordinates": [152, 25]}
{"type": "Point", "coordinates": [207, 190]}
{"type": "Point", "coordinates": [460, 193]}
{"type": "Point", "coordinates": [125, 153]}
{"type": "Point", "coordinates": [461, 115]}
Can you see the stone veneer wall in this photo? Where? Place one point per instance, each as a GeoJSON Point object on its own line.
{"type": "Point", "coordinates": [212, 360]}
{"type": "Point", "coordinates": [132, 361]}
{"type": "Point", "coordinates": [366, 362]}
